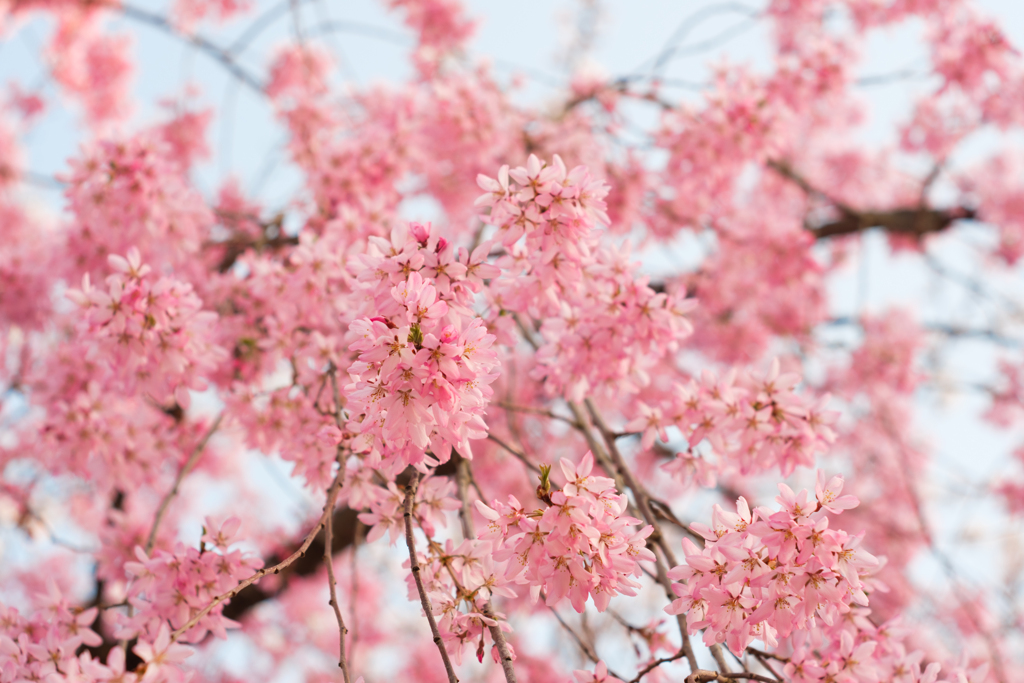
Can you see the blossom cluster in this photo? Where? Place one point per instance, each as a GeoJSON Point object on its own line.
{"type": "Point", "coordinates": [36, 647]}
{"type": "Point", "coordinates": [600, 324]}
{"type": "Point", "coordinates": [433, 499]}
{"type": "Point", "coordinates": [133, 193]}
{"type": "Point", "coordinates": [156, 331]}
{"type": "Point", "coordinates": [421, 378]}
{"type": "Point", "coordinates": [554, 208]}
{"type": "Point", "coordinates": [581, 545]}
{"type": "Point", "coordinates": [764, 574]}
{"type": "Point", "coordinates": [753, 422]}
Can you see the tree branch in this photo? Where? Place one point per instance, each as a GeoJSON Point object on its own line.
{"type": "Point", "coordinates": [912, 222]}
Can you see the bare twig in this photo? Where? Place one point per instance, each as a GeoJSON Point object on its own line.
{"type": "Point", "coordinates": [536, 411]}
{"type": "Point", "coordinates": [410, 494]}
{"type": "Point", "coordinates": [655, 664]}
{"type": "Point", "coordinates": [586, 648]}
{"type": "Point", "coordinates": [514, 452]}
{"type": "Point", "coordinates": [182, 473]}
{"type": "Point", "coordinates": [215, 52]}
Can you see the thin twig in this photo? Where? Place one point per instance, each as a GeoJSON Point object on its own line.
{"type": "Point", "coordinates": [587, 650]}
{"type": "Point", "coordinates": [331, 583]}
{"type": "Point", "coordinates": [410, 494]}
{"type": "Point", "coordinates": [182, 473]}
{"type": "Point", "coordinates": [514, 452]}
{"type": "Point", "coordinates": [213, 51]}
{"type": "Point", "coordinates": [655, 664]}
{"type": "Point", "coordinates": [535, 411]}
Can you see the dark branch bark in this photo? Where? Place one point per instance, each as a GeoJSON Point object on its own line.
{"type": "Point", "coordinates": [915, 222]}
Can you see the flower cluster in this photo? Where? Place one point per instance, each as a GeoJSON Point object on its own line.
{"type": "Point", "coordinates": [155, 331]}
{"type": "Point", "coordinates": [433, 499]}
{"type": "Point", "coordinates": [133, 193]}
{"type": "Point", "coordinates": [553, 207]}
{"type": "Point", "coordinates": [765, 574]}
{"type": "Point", "coordinates": [171, 587]}
{"type": "Point", "coordinates": [601, 326]}
{"type": "Point", "coordinates": [424, 366]}
{"type": "Point", "coordinates": [581, 545]}
{"type": "Point", "coordinates": [752, 422]}
{"type": "Point", "coordinates": [37, 647]}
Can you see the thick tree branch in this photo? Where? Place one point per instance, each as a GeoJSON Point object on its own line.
{"type": "Point", "coordinates": [915, 222]}
{"type": "Point", "coordinates": [911, 222]}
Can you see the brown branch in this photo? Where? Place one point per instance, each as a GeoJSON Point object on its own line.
{"type": "Point", "coordinates": [704, 676]}
{"type": "Point", "coordinates": [410, 493]}
{"type": "Point", "coordinates": [914, 222]}
{"type": "Point", "coordinates": [238, 244]}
